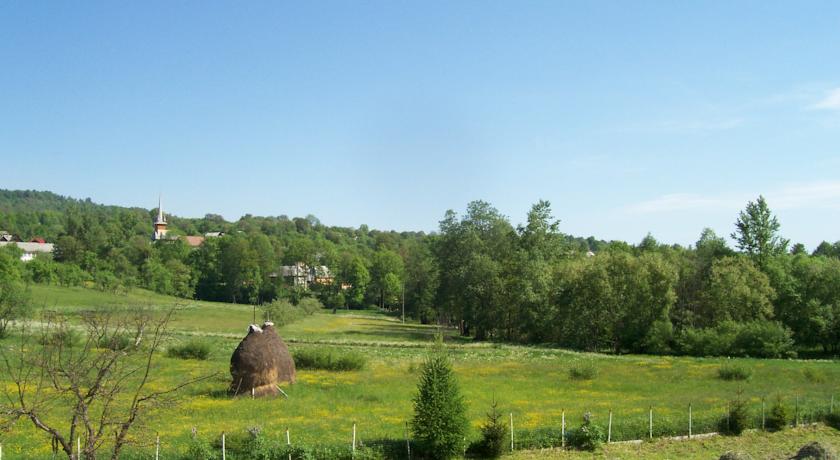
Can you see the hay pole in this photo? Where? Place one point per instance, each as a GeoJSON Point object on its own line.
{"type": "Point", "coordinates": [157, 446]}
{"type": "Point", "coordinates": [288, 442]}
{"type": "Point", "coordinates": [563, 429]}
{"type": "Point", "coordinates": [282, 392]}
{"type": "Point", "coordinates": [511, 431]}
{"type": "Point", "coordinates": [354, 439]}
{"type": "Point", "coordinates": [689, 421]}
{"type": "Point", "coordinates": [223, 445]}
{"type": "Point", "coordinates": [609, 429]}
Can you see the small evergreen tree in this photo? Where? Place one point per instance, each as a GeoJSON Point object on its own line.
{"type": "Point", "coordinates": [493, 434]}
{"type": "Point", "coordinates": [440, 421]}
{"type": "Point", "coordinates": [778, 418]}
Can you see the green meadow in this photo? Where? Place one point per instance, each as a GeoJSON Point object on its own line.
{"type": "Point", "coordinates": [532, 383]}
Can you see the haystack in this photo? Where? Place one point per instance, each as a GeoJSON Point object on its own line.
{"type": "Point", "coordinates": [260, 362]}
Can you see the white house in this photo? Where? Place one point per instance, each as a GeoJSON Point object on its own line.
{"type": "Point", "coordinates": [30, 250]}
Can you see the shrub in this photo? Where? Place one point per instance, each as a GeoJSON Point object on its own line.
{"type": "Point", "coordinates": [115, 342]}
{"type": "Point", "coordinates": [833, 420]}
{"type": "Point", "coordinates": [327, 359]}
{"type": "Point", "coordinates": [440, 420]}
{"type": "Point", "coordinates": [194, 349]}
{"type": "Point", "coordinates": [583, 371]}
{"type": "Point", "coordinates": [310, 305]}
{"type": "Point", "coordinates": [589, 436]}
{"type": "Point", "coordinates": [197, 449]}
{"type": "Point", "coordinates": [813, 375]}
{"type": "Point", "coordinates": [715, 341]}
{"type": "Point", "coordinates": [63, 337]}
{"type": "Point", "coordinates": [734, 372]}
{"type": "Point", "coordinates": [494, 432]}
{"type": "Point", "coordinates": [778, 417]}
{"type": "Point", "coordinates": [763, 339]}
{"type": "Point", "coordinates": [735, 421]}
{"type": "Point", "coordinates": [281, 312]}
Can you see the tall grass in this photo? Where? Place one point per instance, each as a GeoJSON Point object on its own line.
{"type": "Point", "coordinates": [327, 359]}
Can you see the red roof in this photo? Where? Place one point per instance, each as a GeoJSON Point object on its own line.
{"type": "Point", "coordinates": [194, 241]}
{"type": "Point", "coordinates": [38, 240]}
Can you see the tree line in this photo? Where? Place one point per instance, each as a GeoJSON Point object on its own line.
{"type": "Point", "coordinates": [529, 283]}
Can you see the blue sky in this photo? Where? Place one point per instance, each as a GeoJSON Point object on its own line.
{"type": "Point", "coordinates": [630, 117]}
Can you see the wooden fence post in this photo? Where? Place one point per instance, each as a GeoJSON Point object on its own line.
{"type": "Point", "coordinates": [157, 447]}
{"type": "Point", "coordinates": [609, 429]}
{"type": "Point", "coordinates": [407, 443]}
{"type": "Point", "coordinates": [223, 446]}
{"type": "Point", "coordinates": [563, 429]}
{"type": "Point", "coordinates": [763, 416]}
{"type": "Point", "coordinates": [289, 442]}
{"type": "Point", "coordinates": [511, 431]}
{"type": "Point", "coordinates": [689, 421]}
{"type": "Point", "coordinates": [650, 422]}
{"type": "Point", "coordinates": [796, 416]}
{"type": "Point", "coordinates": [354, 439]}
{"type": "Point", "coordinates": [78, 447]}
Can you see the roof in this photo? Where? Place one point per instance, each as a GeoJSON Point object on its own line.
{"type": "Point", "coordinates": [31, 247]}
{"type": "Point", "coordinates": [38, 240]}
{"type": "Point", "coordinates": [214, 234]}
{"type": "Point", "coordinates": [194, 241]}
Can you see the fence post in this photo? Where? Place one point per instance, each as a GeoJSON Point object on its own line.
{"type": "Point", "coordinates": [796, 416]}
{"type": "Point", "coordinates": [157, 447]}
{"type": "Point", "coordinates": [609, 429]}
{"type": "Point", "coordinates": [763, 417]}
{"type": "Point", "coordinates": [354, 439]}
{"type": "Point", "coordinates": [407, 443]}
{"type": "Point", "coordinates": [223, 446]}
{"type": "Point", "coordinates": [289, 442]}
{"type": "Point", "coordinates": [511, 431]}
{"type": "Point", "coordinates": [831, 405]}
{"type": "Point", "coordinates": [563, 429]}
{"type": "Point", "coordinates": [689, 420]}
{"type": "Point", "coordinates": [78, 447]}
{"type": "Point", "coordinates": [650, 422]}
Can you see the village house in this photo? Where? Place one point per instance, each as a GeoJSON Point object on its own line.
{"type": "Point", "coordinates": [301, 275]}
{"type": "Point", "coordinates": [32, 249]}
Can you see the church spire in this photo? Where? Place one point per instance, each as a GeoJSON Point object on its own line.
{"type": "Point", "coordinates": [160, 223]}
{"type": "Point", "coordinates": [160, 217]}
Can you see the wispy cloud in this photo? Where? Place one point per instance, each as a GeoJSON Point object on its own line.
{"type": "Point", "coordinates": [818, 194]}
{"type": "Point", "coordinates": [831, 101]}
{"type": "Point", "coordinates": [684, 126]}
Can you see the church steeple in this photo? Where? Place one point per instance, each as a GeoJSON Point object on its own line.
{"type": "Point", "coordinates": [160, 222]}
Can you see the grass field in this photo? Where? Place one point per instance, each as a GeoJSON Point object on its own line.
{"type": "Point", "coordinates": [532, 383]}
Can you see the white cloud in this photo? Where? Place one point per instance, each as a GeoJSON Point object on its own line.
{"type": "Point", "coordinates": [818, 194]}
{"type": "Point", "coordinates": [831, 101]}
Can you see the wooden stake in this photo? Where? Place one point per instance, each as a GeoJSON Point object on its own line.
{"type": "Point", "coordinates": [407, 443]}
{"type": "Point", "coordinates": [288, 442]}
{"type": "Point", "coordinates": [763, 411]}
{"type": "Point", "coordinates": [354, 439]}
{"type": "Point", "coordinates": [609, 429]}
{"type": "Point", "coordinates": [511, 431]}
{"type": "Point", "coordinates": [223, 446]}
{"type": "Point", "coordinates": [796, 417]}
{"type": "Point", "coordinates": [78, 447]}
{"type": "Point", "coordinates": [157, 447]}
{"type": "Point", "coordinates": [650, 422]}
{"type": "Point", "coordinates": [563, 430]}
{"type": "Point", "coordinates": [689, 421]}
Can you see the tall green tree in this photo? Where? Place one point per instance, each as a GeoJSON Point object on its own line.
{"type": "Point", "coordinates": [440, 419]}
{"type": "Point", "coordinates": [757, 232]}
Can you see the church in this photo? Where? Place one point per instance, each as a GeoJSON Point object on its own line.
{"type": "Point", "coordinates": [160, 231]}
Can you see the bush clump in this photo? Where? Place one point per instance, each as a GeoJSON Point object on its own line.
{"type": "Point", "coordinates": [735, 421]}
{"type": "Point", "coordinates": [115, 342]}
{"type": "Point", "coordinates": [327, 359]}
{"type": "Point", "coordinates": [778, 417]}
{"type": "Point", "coordinates": [194, 349]}
{"type": "Point", "coordinates": [282, 312]}
{"type": "Point", "coordinates": [734, 372]}
{"type": "Point", "coordinates": [589, 436]}
{"type": "Point", "coordinates": [583, 371]}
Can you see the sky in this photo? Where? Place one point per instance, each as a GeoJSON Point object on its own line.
{"type": "Point", "coordinates": [629, 117]}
